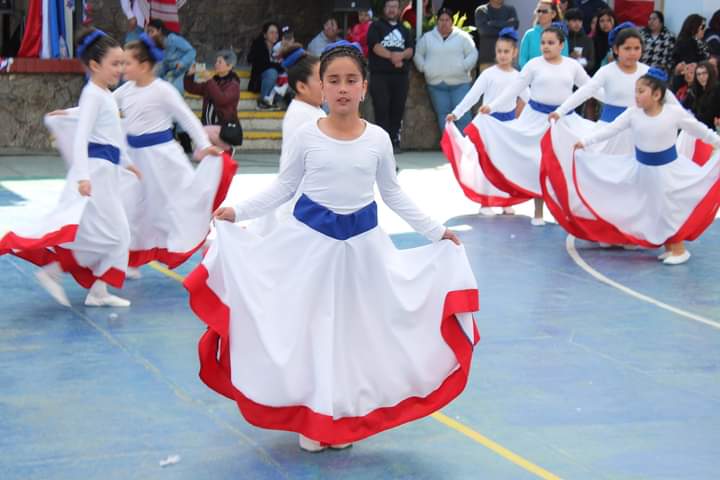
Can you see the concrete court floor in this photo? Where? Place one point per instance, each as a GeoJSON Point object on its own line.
{"type": "Point", "coordinates": [575, 377]}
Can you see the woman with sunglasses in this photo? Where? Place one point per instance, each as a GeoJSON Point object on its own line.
{"type": "Point", "coordinates": [546, 13]}
{"type": "Point", "coordinates": [690, 47]}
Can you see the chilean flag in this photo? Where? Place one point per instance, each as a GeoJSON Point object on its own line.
{"type": "Point", "coordinates": [45, 30]}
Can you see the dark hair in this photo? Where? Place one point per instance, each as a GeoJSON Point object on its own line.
{"type": "Point", "coordinates": [445, 11]}
{"type": "Point", "coordinates": [660, 15]}
{"type": "Point", "coordinates": [554, 7]}
{"type": "Point", "coordinates": [574, 14]}
{"type": "Point", "coordinates": [626, 34]}
{"type": "Point", "coordinates": [140, 51]}
{"type": "Point", "coordinates": [690, 26]}
{"type": "Point", "coordinates": [655, 85]}
{"type": "Point", "coordinates": [328, 18]}
{"type": "Point", "coordinates": [160, 25]}
{"type": "Point", "coordinates": [714, 23]}
{"type": "Point", "coordinates": [557, 31]}
{"type": "Point", "coordinates": [302, 69]}
{"type": "Point", "coordinates": [343, 52]}
{"type": "Point", "coordinates": [266, 26]}
{"type": "Point", "coordinates": [712, 78]}
{"type": "Point", "coordinates": [94, 49]}
{"type": "Point", "coordinates": [606, 12]}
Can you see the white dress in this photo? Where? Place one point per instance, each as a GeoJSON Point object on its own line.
{"type": "Point", "coordinates": [323, 327]}
{"type": "Point", "coordinates": [461, 152]}
{"type": "Point", "coordinates": [510, 152]}
{"type": "Point", "coordinates": [88, 236]}
{"type": "Point", "coordinates": [297, 114]}
{"type": "Point", "coordinates": [653, 195]}
{"type": "Point", "coordinates": [171, 208]}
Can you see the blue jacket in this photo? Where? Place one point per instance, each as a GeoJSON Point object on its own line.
{"type": "Point", "coordinates": [530, 45]}
{"type": "Point", "coordinates": [177, 50]}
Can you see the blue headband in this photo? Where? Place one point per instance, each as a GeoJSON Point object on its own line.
{"type": "Point", "coordinates": [614, 32]}
{"type": "Point", "coordinates": [509, 32]}
{"type": "Point", "coordinates": [89, 40]}
{"type": "Point", "coordinates": [156, 53]}
{"type": "Point", "coordinates": [657, 73]}
{"type": "Point", "coordinates": [562, 26]}
{"type": "Point", "coordinates": [342, 43]}
{"type": "Point", "coordinates": [293, 58]}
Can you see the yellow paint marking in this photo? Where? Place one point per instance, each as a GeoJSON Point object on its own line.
{"type": "Point", "coordinates": [440, 417]}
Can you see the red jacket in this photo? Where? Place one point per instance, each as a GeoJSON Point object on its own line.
{"type": "Point", "coordinates": [220, 98]}
{"type": "Point", "coordinates": [358, 33]}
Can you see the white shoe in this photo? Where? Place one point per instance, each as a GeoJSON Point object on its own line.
{"type": "Point", "coordinates": [677, 259]}
{"type": "Point", "coordinates": [309, 445]}
{"type": "Point", "coordinates": [486, 212]}
{"type": "Point", "coordinates": [133, 273]}
{"type": "Point", "coordinates": [341, 446]}
{"type": "Point", "coordinates": [537, 222]}
{"type": "Point", "coordinates": [664, 255]}
{"type": "Point", "coordinates": [106, 301]}
{"type": "Point", "coordinates": [508, 211]}
{"type": "Point", "coordinates": [53, 287]}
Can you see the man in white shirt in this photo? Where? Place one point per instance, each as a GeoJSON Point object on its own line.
{"type": "Point", "coordinates": [137, 13]}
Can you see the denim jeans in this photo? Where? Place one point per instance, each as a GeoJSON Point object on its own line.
{"type": "Point", "coordinates": [267, 82]}
{"type": "Point", "coordinates": [445, 98]}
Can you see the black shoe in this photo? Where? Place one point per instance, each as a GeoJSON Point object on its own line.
{"type": "Point", "coordinates": [262, 105]}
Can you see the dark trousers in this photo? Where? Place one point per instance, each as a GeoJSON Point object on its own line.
{"type": "Point", "coordinates": [389, 92]}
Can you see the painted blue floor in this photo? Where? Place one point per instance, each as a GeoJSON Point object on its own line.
{"type": "Point", "coordinates": [571, 374]}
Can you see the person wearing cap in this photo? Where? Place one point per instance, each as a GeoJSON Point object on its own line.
{"type": "Point", "coordinates": [328, 35]}
{"type": "Point", "coordinates": [581, 46]}
{"type": "Point", "coordinates": [221, 95]}
{"type": "Point", "coordinates": [446, 56]}
{"type": "Point", "coordinates": [489, 20]}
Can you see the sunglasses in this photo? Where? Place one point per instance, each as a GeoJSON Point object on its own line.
{"type": "Point", "coordinates": [542, 11]}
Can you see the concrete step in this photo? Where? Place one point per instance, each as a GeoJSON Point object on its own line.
{"type": "Point", "coordinates": [260, 145]}
{"type": "Point", "coordinates": [258, 121]}
{"type": "Point", "coordinates": [248, 101]}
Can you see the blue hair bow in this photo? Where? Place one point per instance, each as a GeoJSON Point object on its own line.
{"type": "Point", "coordinates": [157, 54]}
{"type": "Point", "coordinates": [657, 73]}
{"type": "Point", "coordinates": [342, 43]}
{"type": "Point", "coordinates": [293, 58]}
{"type": "Point", "coordinates": [509, 32]}
{"type": "Point", "coordinates": [89, 40]}
{"type": "Point", "coordinates": [562, 26]}
{"type": "Point", "coordinates": [614, 32]}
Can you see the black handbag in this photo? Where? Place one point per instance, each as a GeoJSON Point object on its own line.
{"type": "Point", "coordinates": [232, 133]}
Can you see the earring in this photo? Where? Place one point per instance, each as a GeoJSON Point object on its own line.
{"type": "Point", "coordinates": [362, 98]}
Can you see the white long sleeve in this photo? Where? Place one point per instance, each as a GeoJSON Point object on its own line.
{"type": "Point", "coordinates": [616, 127]}
{"type": "Point", "coordinates": [473, 96]}
{"type": "Point", "coordinates": [89, 109]}
{"type": "Point", "coordinates": [176, 106]}
{"type": "Point", "coordinates": [522, 82]}
{"type": "Point", "coordinates": [490, 85]}
{"type": "Point", "coordinates": [697, 129]}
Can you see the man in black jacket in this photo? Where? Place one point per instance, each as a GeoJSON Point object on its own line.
{"type": "Point", "coordinates": [489, 20]}
{"type": "Point", "coordinates": [581, 46]}
{"type": "Point", "coordinates": [390, 48]}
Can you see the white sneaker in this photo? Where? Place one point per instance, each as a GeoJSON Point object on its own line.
{"type": "Point", "coordinates": [664, 255]}
{"type": "Point", "coordinates": [537, 222]}
{"type": "Point", "coordinates": [508, 211]}
{"type": "Point", "coordinates": [106, 301]}
{"type": "Point", "coordinates": [677, 259]}
{"type": "Point", "coordinates": [486, 212]}
{"type": "Point", "coordinates": [53, 287]}
{"type": "Point", "coordinates": [133, 273]}
{"type": "Point", "coordinates": [309, 445]}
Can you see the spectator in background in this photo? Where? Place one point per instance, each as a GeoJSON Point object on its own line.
{"type": "Point", "coordinates": [137, 13]}
{"type": "Point", "coordinates": [489, 20]}
{"type": "Point", "coordinates": [446, 55]}
{"type": "Point", "coordinates": [546, 13]}
{"type": "Point", "coordinates": [690, 47]}
{"type": "Point", "coordinates": [390, 47]}
{"type": "Point", "coordinates": [408, 14]}
{"type": "Point", "coordinates": [712, 35]}
{"type": "Point", "coordinates": [264, 72]}
{"type": "Point", "coordinates": [328, 35]}
{"type": "Point", "coordinates": [703, 97]}
{"type": "Point", "coordinates": [358, 33]}
{"type": "Point", "coordinates": [564, 6]}
{"type": "Point", "coordinates": [683, 80]}
{"type": "Point", "coordinates": [221, 95]}
{"type": "Point", "coordinates": [580, 45]}
{"type": "Point", "coordinates": [659, 42]}
{"type": "Point", "coordinates": [179, 54]}
{"type": "Point", "coordinates": [590, 9]}
{"type": "Point", "coordinates": [605, 24]}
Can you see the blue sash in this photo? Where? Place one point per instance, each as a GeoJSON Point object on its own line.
{"type": "Point", "coordinates": [655, 159]}
{"type": "Point", "coordinates": [611, 112]}
{"type": "Point", "coordinates": [542, 107]}
{"type": "Point", "coordinates": [150, 139]}
{"type": "Point", "coordinates": [107, 152]}
{"type": "Point", "coordinates": [335, 225]}
{"type": "Point", "coordinates": [504, 116]}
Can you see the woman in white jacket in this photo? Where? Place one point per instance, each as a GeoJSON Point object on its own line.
{"type": "Point", "coordinates": [446, 55]}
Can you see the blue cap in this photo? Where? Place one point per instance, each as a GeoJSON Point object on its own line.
{"type": "Point", "coordinates": [657, 73]}
{"type": "Point", "coordinates": [614, 32]}
{"type": "Point", "coordinates": [509, 32]}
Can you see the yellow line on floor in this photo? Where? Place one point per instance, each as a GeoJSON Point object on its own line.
{"type": "Point", "coordinates": [440, 417]}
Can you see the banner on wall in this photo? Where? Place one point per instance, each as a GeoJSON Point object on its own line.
{"type": "Point", "coordinates": [636, 11]}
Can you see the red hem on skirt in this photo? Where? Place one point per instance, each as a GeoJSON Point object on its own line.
{"type": "Point", "coordinates": [702, 153]}
{"type": "Point", "coordinates": [215, 372]}
{"type": "Point", "coordinates": [699, 220]}
{"type": "Point", "coordinates": [48, 250]}
{"type": "Point", "coordinates": [482, 199]}
{"type": "Point", "coordinates": [493, 174]}
{"type": "Point", "coordinates": [584, 228]}
{"type": "Point", "coordinates": [138, 258]}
